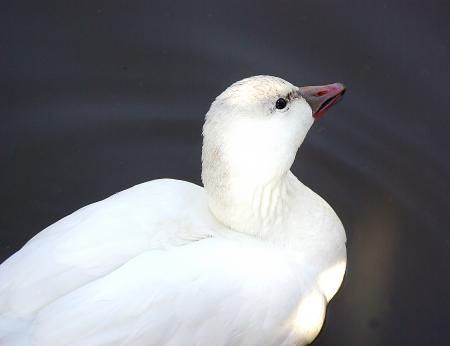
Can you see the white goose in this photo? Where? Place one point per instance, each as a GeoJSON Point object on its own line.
{"type": "Point", "coordinates": [251, 259]}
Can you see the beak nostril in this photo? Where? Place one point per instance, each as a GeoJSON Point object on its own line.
{"type": "Point", "coordinates": [322, 92]}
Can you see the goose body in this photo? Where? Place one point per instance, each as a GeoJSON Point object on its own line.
{"type": "Point", "coordinates": [252, 258]}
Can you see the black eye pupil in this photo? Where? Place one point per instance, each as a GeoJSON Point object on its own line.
{"type": "Point", "coordinates": [281, 103]}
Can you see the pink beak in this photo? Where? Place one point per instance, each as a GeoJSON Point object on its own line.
{"type": "Point", "coordinates": [322, 97]}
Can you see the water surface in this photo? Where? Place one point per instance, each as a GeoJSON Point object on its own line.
{"type": "Point", "coordinates": [101, 95]}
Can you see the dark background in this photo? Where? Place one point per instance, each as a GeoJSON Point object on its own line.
{"type": "Point", "coordinates": [100, 95]}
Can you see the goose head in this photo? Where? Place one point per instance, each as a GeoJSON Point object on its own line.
{"type": "Point", "coordinates": [252, 132]}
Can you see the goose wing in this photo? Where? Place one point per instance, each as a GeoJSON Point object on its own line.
{"type": "Point", "coordinates": [211, 292]}
{"type": "Point", "coordinates": [98, 239]}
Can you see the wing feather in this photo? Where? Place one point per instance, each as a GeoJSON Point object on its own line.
{"type": "Point", "coordinates": [195, 294]}
{"type": "Point", "coordinates": [99, 238]}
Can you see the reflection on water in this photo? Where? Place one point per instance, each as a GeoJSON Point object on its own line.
{"type": "Point", "coordinates": [376, 253]}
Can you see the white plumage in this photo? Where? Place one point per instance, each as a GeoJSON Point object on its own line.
{"type": "Point", "coordinates": [251, 259]}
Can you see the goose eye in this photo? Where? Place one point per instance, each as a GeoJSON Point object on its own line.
{"type": "Point", "coordinates": [281, 103]}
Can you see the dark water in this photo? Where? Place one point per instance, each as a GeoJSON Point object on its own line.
{"type": "Point", "coordinates": [100, 95]}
